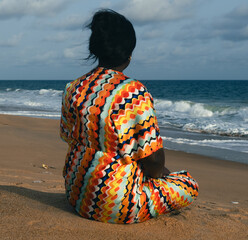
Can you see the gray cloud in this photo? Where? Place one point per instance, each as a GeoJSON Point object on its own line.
{"type": "Point", "coordinates": [41, 58]}
{"type": "Point", "coordinates": [12, 41]}
{"type": "Point", "coordinates": [73, 52]}
{"type": "Point", "coordinates": [59, 37]}
{"type": "Point", "coordinates": [239, 12]}
{"type": "Point", "coordinates": [200, 31]}
{"type": "Point", "coordinates": [148, 34]}
{"type": "Point", "coordinates": [70, 23]}
{"type": "Point", "coordinates": [147, 11]}
{"type": "Point", "coordinates": [233, 26]}
{"type": "Point", "coordinates": [20, 8]}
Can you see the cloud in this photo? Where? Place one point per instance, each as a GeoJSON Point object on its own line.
{"type": "Point", "coordinates": [20, 8]}
{"type": "Point", "coordinates": [44, 57]}
{"type": "Point", "coordinates": [38, 59]}
{"type": "Point", "coordinates": [234, 25]}
{"type": "Point", "coordinates": [146, 11]}
{"type": "Point", "coordinates": [59, 37]}
{"type": "Point", "coordinates": [152, 53]}
{"type": "Point", "coordinates": [240, 12]}
{"type": "Point", "coordinates": [180, 51]}
{"type": "Point", "coordinates": [73, 53]}
{"type": "Point", "coordinates": [71, 23]}
{"type": "Point", "coordinates": [11, 42]}
{"type": "Point", "coordinates": [151, 34]}
{"type": "Point", "coordinates": [200, 31]}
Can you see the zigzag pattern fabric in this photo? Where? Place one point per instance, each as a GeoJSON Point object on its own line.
{"type": "Point", "coordinates": [109, 123]}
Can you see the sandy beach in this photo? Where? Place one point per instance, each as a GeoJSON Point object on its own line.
{"type": "Point", "coordinates": [33, 203]}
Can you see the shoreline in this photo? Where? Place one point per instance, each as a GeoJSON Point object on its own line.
{"type": "Point", "coordinates": [208, 151]}
{"type": "Point", "coordinates": [33, 204]}
{"type": "Point", "coordinates": [187, 142]}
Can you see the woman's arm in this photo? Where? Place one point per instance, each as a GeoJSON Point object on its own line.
{"type": "Point", "coordinates": [153, 165]}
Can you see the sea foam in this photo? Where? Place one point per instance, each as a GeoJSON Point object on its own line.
{"type": "Point", "coordinates": [201, 117]}
{"type": "Point", "coordinates": [50, 92]}
{"type": "Point", "coordinates": [230, 144]}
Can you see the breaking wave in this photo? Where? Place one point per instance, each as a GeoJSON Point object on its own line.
{"type": "Point", "coordinates": [205, 118]}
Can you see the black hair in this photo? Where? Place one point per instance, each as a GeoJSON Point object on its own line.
{"type": "Point", "coordinates": [112, 39]}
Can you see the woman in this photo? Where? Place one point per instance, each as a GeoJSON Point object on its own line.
{"type": "Point", "coordinates": [114, 170]}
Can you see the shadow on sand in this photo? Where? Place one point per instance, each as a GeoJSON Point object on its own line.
{"type": "Point", "coordinates": [57, 200]}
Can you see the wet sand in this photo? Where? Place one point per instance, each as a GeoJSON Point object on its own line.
{"type": "Point", "coordinates": [33, 204]}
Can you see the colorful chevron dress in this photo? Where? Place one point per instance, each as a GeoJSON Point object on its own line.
{"type": "Point", "coordinates": [109, 123]}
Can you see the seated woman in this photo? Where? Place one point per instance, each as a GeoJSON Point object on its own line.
{"type": "Point", "coordinates": [114, 169]}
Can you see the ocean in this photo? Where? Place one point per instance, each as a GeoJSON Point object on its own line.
{"type": "Point", "coordinates": [203, 117]}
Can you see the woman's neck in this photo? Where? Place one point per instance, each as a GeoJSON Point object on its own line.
{"type": "Point", "coordinates": [120, 68]}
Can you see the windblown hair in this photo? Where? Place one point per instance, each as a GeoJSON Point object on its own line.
{"type": "Point", "coordinates": [112, 39]}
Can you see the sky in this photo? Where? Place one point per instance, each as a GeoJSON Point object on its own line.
{"type": "Point", "coordinates": [176, 39]}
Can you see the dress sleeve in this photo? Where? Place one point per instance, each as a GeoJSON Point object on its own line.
{"type": "Point", "coordinates": [65, 127]}
{"type": "Point", "coordinates": [135, 122]}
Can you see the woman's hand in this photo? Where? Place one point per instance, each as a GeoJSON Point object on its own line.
{"type": "Point", "coordinates": [166, 172]}
{"type": "Point", "coordinates": [153, 165]}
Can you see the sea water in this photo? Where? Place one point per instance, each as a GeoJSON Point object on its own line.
{"type": "Point", "coordinates": [205, 117]}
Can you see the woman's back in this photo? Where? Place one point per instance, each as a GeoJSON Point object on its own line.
{"type": "Point", "coordinates": [109, 122]}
